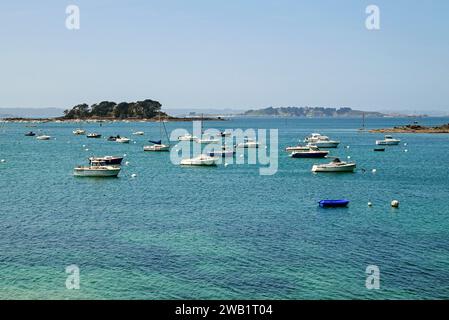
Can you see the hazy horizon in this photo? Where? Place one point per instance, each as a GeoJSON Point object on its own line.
{"type": "Point", "coordinates": [227, 55]}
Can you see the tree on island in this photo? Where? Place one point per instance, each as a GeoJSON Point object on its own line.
{"type": "Point", "coordinates": [145, 109]}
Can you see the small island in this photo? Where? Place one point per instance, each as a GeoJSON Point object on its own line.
{"type": "Point", "coordinates": [146, 110]}
{"type": "Point", "coordinates": [414, 128]}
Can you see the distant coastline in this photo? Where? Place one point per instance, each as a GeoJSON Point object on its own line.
{"type": "Point", "coordinates": [414, 129]}
{"type": "Point", "coordinates": [312, 112]}
{"type": "Point", "coordinates": [322, 112]}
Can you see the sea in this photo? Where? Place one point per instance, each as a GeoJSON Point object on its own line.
{"type": "Point", "coordinates": [163, 231]}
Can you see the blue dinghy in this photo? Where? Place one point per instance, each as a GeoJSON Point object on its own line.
{"type": "Point", "coordinates": [334, 203]}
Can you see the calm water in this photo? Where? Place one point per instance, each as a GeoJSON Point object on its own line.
{"type": "Point", "coordinates": [225, 232]}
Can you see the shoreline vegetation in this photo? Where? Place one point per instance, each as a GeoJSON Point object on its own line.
{"type": "Point", "coordinates": [312, 112]}
{"type": "Point", "coordinates": [108, 111]}
{"type": "Point", "coordinates": [414, 128]}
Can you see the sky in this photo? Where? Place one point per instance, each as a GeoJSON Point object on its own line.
{"type": "Point", "coordinates": [239, 54]}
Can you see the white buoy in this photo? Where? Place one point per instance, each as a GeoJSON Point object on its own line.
{"type": "Point", "coordinates": [349, 157]}
{"type": "Point", "coordinates": [226, 164]}
{"type": "Point", "coordinates": [347, 147]}
{"type": "Point", "coordinates": [84, 145]}
{"type": "Point", "coordinates": [395, 204]}
{"type": "Point", "coordinates": [124, 155]}
{"type": "Point", "coordinates": [374, 171]}
{"type": "Point", "coordinates": [87, 149]}
{"type": "Point", "coordinates": [405, 144]}
{"type": "Point", "coordinates": [3, 161]}
{"type": "Point", "coordinates": [370, 204]}
{"type": "Point", "coordinates": [133, 175]}
{"type": "Point", "coordinates": [405, 150]}
{"type": "Point", "coordinates": [135, 142]}
{"type": "Point", "coordinates": [127, 163]}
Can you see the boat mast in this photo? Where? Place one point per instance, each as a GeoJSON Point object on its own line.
{"type": "Point", "coordinates": [165, 129]}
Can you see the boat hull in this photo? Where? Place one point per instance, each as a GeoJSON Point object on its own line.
{"type": "Point", "coordinates": [157, 148]}
{"type": "Point", "coordinates": [338, 169]}
{"type": "Point", "coordinates": [298, 148]}
{"type": "Point", "coordinates": [334, 203]}
{"type": "Point", "coordinates": [121, 140]}
{"type": "Point", "coordinates": [43, 138]}
{"type": "Point", "coordinates": [209, 161]}
{"type": "Point", "coordinates": [314, 155]}
{"type": "Point", "coordinates": [388, 143]}
{"type": "Point", "coordinates": [99, 173]}
{"type": "Point", "coordinates": [325, 144]}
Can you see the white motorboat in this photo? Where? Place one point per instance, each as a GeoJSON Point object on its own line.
{"type": "Point", "coordinates": [43, 137]}
{"type": "Point", "coordinates": [201, 160]}
{"type": "Point", "coordinates": [248, 144]}
{"type": "Point", "coordinates": [297, 148]}
{"type": "Point", "coordinates": [320, 141]}
{"type": "Point", "coordinates": [312, 152]}
{"type": "Point", "coordinates": [122, 140]}
{"type": "Point", "coordinates": [187, 137]}
{"type": "Point", "coordinates": [335, 166]}
{"type": "Point", "coordinates": [138, 133]}
{"type": "Point", "coordinates": [97, 169]}
{"type": "Point", "coordinates": [157, 147]}
{"type": "Point", "coordinates": [79, 132]}
{"type": "Point", "coordinates": [207, 140]}
{"type": "Point", "coordinates": [388, 141]}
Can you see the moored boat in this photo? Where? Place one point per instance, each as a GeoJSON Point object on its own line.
{"type": "Point", "coordinates": [248, 144]}
{"type": "Point", "coordinates": [30, 134]}
{"type": "Point", "coordinates": [43, 137]}
{"type": "Point", "coordinates": [208, 140]}
{"type": "Point", "coordinates": [311, 152]}
{"type": "Point", "coordinates": [342, 203]}
{"type": "Point", "coordinates": [157, 147]}
{"type": "Point", "coordinates": [388, 141]}
{"type": "Point", "coordinates": [79, 132]}
{"type": "Point", "coordinates": [321, 141]}
{"type": "Point", "coordinates": [187, 137]}
{"type": "Point", "coordinates": [122, 140]}
{"type": "Point", "coordinates": [297, 148]}
{"type": "Point", "coordinates": [201, 160]}
{"type": "Point", "coordinates": [94, 135]}
{"type": "Point", "coordinates": [335, 166]}
{"type": "Point", "coordinates": [138, 133]}
{"type": "Point", "coordinates": [97, 169]}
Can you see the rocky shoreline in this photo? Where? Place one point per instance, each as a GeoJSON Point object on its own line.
{"type": "Point", "coordinates": [414, 129]}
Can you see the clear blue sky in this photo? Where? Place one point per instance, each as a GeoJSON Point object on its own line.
{"type": "Point", "coordinates": [226, 53]}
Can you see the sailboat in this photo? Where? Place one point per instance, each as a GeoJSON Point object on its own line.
{"type": "Point", "coordinates": [363, 123]}
{"type": "Point", "coordinates": [157, 145]}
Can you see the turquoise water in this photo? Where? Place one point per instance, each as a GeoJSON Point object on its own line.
{"type": "Point", "coordinates": [224, 232]}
